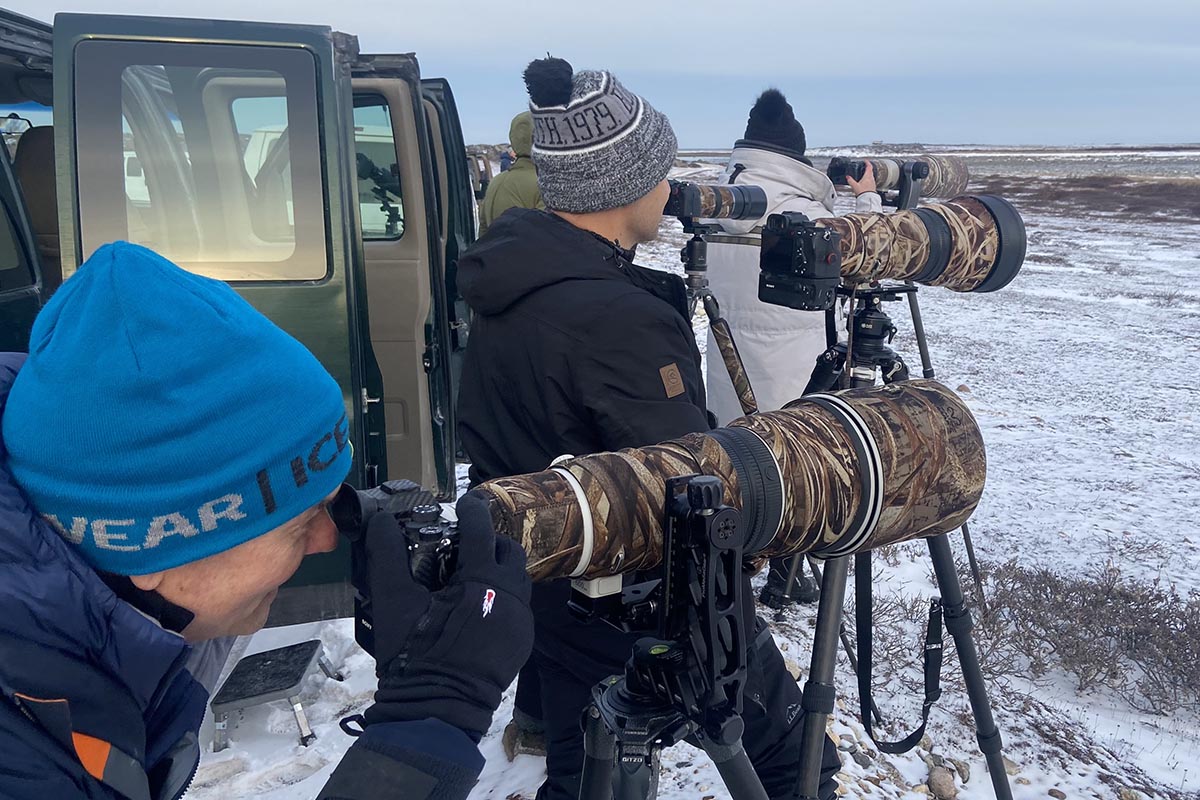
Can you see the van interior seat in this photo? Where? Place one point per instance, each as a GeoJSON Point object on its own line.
{"type": "Point", "coordinates": [34, 169]}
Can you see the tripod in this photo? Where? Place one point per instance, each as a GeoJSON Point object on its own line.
{"type": "Point", "coordinates": [694, 256]}
{"type": "Point", "coordinates": [629, 722]}
{"type": "Point", "coordinates": [865, 356]}
{"type": "Point", "coordinates": [384, 183]}
{"type": "Point", "coordinates": [687, 681]}
{"type": "Point", "coordinates": [392, 226]}
{"type": "Point", "coordinates": [613, 740]}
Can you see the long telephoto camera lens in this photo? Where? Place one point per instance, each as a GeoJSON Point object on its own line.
{"type": "Point", "coordinates": [944, 176]}
{"type": "Point", "coordinates": [829, 475]}
{"type": "Point", "coordinates": [969, 244]}
{"type": "Point", "coordinates": [973, 243]}
{"type": "Point", "coordinates": [715, 201]}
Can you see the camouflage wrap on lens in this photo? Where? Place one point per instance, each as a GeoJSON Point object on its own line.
{"type": "Point", "coordinates": [539, 510]}
{"type": "Point", "coordinates": [734, 366]}
{"type": "Point", "coordinates": [975, 243]}
{"type": "Point", "coordinates": [896, 246]}
{"type": "Point", "coordinates": [626, 493]}
{"type": "Point", "coordinates": [817, 458]}
{"type": "Point", "coordinates": [934, 461]}
{"type": "Point", "coordinates": [948, 175]}
{"type": "Point", "coordinates": [715, 201]}
{"type": "Point", "coordinates": [933, 466]}
{"type": "Point", "coordinates": [880, 246]}
{"type": "Point", "coordinates": [887, 173]}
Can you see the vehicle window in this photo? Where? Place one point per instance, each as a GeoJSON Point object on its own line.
{"type": "Point", "coordinates": [263, 138]}
{"type": "Point", "coordinates": [380, 204]}
{"type": "Point", "coordinates": [14, 269]}
{"type": "Point", "coordinates": [221, 167]}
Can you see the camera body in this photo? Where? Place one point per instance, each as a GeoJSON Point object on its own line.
{"type": "Point", "coordinates": [889, 172]}
{"type": "Point", "coordinates": [800, 263]}
{"type": "Point", "coordinates": [431, 540]}
{"type": "Point", "coordinates": [840, 167]}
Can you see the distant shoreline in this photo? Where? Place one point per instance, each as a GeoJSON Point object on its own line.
{"type": "Point", "coordinates": [908, 148]}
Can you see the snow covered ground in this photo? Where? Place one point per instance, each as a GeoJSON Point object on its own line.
{"type": "Point", "coordinates": [1081, 375]}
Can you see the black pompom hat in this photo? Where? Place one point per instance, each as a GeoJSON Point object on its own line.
{"type": "Point", "coordinates": [772, 122]}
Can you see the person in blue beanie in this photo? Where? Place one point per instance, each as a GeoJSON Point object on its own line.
{"type": "Point", "coordinates": [166, 460]}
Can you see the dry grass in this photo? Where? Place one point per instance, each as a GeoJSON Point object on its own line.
{"type": "Point", "coordinates": [1139, 201]}
{"type": "Point", "coordinates": [1108, 632]}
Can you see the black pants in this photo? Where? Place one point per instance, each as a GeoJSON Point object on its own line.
{"type": "Point", "coordinates": [529, 691]}
{"type": "Point", "coordinates": [572, 657]}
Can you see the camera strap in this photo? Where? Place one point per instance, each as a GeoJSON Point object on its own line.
{"type": "Point", "coordinates": [932, 655]}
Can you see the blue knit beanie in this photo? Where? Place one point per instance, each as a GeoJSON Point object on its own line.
{"type": "Point", "coordinates": [160, 419]}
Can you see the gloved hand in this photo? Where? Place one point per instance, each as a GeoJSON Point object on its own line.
{"type": "Point", "coordinates": [449, 654]}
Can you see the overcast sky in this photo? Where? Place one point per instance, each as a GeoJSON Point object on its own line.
{"type": "Point", "coordinates": [935, 71]}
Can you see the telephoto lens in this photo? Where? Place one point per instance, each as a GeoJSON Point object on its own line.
{"type": "Point", "coordinates": [829, 475]}
{"type": "Point", "coordinates": [715, 201]}
{"type": "Point", "coordinates": [973, 243]}
{"type": "Point", "coordinates": [943, 176]}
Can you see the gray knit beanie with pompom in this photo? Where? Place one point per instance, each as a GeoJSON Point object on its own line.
{"type": "Point", "coordinates": [596, 145]}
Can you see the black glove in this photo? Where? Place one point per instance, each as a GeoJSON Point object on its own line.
{"type": "Point", "coordinates": [449, 654]}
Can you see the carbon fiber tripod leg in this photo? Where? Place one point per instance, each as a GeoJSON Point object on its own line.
{"type": "Point", "coordinates": [958, 623]}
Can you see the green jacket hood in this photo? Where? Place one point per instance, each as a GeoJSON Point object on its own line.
{"type": "Point", "coordinates": [520, 134]}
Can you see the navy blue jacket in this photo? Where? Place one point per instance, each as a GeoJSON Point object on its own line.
{"type": "Point", "coordinates": [97, 700]}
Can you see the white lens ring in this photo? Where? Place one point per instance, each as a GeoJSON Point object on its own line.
{"type": "Point", "coordinates": [872, 476]}
{"type": "Point", "coordinates": [589, 531]}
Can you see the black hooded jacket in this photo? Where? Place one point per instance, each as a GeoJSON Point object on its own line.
{"type": "Point", "coordinates": [573, 349]}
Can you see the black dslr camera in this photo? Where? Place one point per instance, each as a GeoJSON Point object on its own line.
{"type": "Point", "coordinates": [800, 263]}
{"type": "Point", "coordinates": [432, 541]}
{"type": "Point", "coordinates": [840, 167]}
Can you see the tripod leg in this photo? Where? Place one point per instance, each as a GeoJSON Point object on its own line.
{"type": "Point", "coordinates": [599, 757]}
{"type": "Point", "coordinates": [958, 623]}
{"type": "Point", "coordinates": [919, 330]}
{"type": "Point", "coordinates": [793, 573]}
{"type": "Point", "coordinates": [975, 572]}
{"type": "Point", "coordinates": [638, 781]}
{"type": "Point", "coordinates": [736, 770]}
{"type": "Point", "coordinates": [819, 693]}
{"type": "Point", "coordinates": [723, 336]}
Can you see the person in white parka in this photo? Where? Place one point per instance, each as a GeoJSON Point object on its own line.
{"type": "Point", "coordinates": [778, 345]}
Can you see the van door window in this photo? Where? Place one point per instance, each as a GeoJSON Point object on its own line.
{"type": "Point", "coordinates": [222, 162]}
{"type": "Point", "coordinates": [262, 133]}
{"type": "Point", "coordinates": [381, 208]}
{"type": "Point", "coordinates": [15, 272]}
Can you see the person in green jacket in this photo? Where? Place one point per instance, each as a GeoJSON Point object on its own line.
{"type": "Point", "coordinates": [517, 186]}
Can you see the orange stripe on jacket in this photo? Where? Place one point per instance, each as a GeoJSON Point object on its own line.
{"type": "Point", "coordinates": [92, 752]}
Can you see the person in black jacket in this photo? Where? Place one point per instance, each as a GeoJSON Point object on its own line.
{"type": "Point", "coordinates": [575, 349]}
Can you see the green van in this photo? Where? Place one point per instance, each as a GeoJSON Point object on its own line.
{"type": "Point", "coordinates": [329, 187]}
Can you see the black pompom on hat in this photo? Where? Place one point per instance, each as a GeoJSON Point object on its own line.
{"type": "Point", "coordinates": [549, 81]}
{"type": "Point", "coordinates": [772, 122]}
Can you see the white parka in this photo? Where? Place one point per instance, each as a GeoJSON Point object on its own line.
{"type": "Point", "coordinates": [778, 345]}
